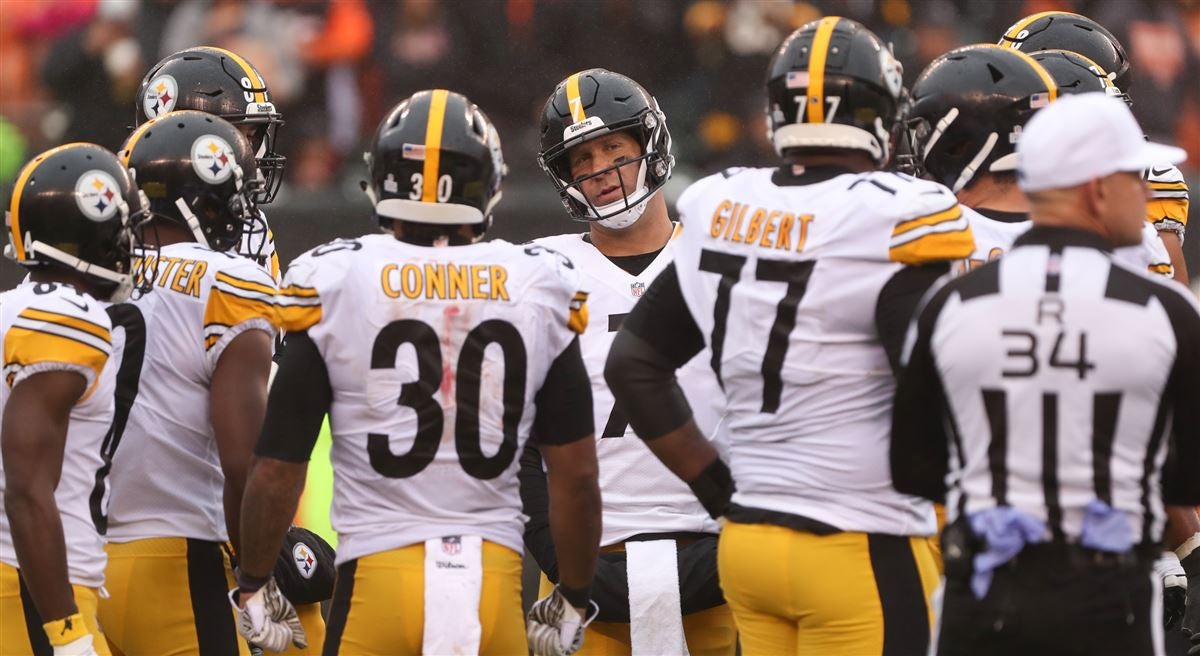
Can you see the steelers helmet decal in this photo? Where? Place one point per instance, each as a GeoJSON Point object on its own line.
{"type": "Point", "coordinates": [97, 195]}
{"type": "Point", "coordinates": [160, 95]}
{"type": "Point", "coordinates": [212, 158]}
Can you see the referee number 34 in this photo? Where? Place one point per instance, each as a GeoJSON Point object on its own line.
{"type": "Point", "coordinates": [1026, 354]}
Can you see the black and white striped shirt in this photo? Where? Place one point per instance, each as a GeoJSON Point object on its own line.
{"type": "Point", "coordinates": [1048, 379]}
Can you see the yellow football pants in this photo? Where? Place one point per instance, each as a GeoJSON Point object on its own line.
{"type": "Point", "coordinates": [379, 604]}
{"type": "Point", "coordinates": [852, 594]}
{"type": "Point", "coordinates": [21, 630]}
{"type": "Point", "coordinates": [708, 633]}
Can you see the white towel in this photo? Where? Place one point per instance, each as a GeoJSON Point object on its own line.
{"type": "Point", "coordinates": [655, 614]}
{"type": "Point", "coordinates": [453, 582]}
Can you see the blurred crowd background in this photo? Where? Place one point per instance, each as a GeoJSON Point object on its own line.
{"type": "Point", "coordinates": [70, 71]}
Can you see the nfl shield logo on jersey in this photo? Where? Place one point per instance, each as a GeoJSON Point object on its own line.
{"type": "Point", "coordinates": [637, 288]}
{"type": "Point", "coordinates": [452, 545]}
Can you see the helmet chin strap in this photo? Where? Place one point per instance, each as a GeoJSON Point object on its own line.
{"type": "Point", "coordinates": [124, 281]}
{"type": "Point", "coordinates": [631, 214]}
{"type": "Point", "coordinates": [192, 222]}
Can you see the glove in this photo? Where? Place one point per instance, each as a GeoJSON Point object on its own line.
{"type": "Point", "coordinates": [1189, 558]}
{"type": "Point", "coordinates": [69, 636]}
{"type": "Point", "coordinates": [1195, 650]}
{"type": "Point", "coordinates": [267, 619]}
{"type": "Point", "coordinates": [554, 626]}
{"type": "Point", "coordinates": [78, 647]}
{"type": "Point", "coordinates": [1174, 583]}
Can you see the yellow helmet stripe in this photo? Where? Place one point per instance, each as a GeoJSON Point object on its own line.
{"type": "Point", "coordinates": [1051, 87]}
{"type": "Point", "coordinates": [433, 144]}
{"type": "Point", "coordinates": [247, 69]}
{"type": "Point", "coordinates": [816, 69]}
{"type": "Point", "coordinates": [574, 102]}
{"type": "Point", "coordinates": [14, 214]}
{"type": "Point", "coordinates": [1019, 26]}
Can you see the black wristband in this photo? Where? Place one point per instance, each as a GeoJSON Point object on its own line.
{"type": "Point", "coordinates": [714, 487]}
{"type": "Point", "coordinates": [251, 584]}
{"type": "Point", "coordinates": [577, 597]}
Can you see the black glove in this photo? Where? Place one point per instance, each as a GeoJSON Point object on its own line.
{"type": "Point", "coordinates": [304, 568]}
{"type": "Point", "coordinates": [1191, 619]}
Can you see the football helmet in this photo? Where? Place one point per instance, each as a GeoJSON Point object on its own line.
{"type": "Point", "coordinates": [967, 109]}
{"type": "Point", "coordinates": [197, 170]}
{"type": "Point", "coordinates": [596, 102]}
{"type": "Point", "coordinates": [833, 84]}
{"type": "Point", "coordinates": [1060, 30]}
{"type": "Point", "coordinates": [76, 207]}
{"type": "Point", "coordinates": [435, 158]}
{"type": "Point", "coordinates": [1073, 73]}
{"type": "Point", "coordinates": [220, 82]}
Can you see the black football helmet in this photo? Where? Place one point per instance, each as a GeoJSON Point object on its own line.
{"type": "Point", "coordinates": [592, 103]}
{"type": "Point", "coordinates": [833, 84]}
{"type": "Point", "coordinates": [435, 158]}
{"type": "Point", "coordinates": [1060, 30]}
{"type": "Point", "coordinates": [1073, 73]}
{"type": "Point", "coordinates": [967, 109]}
{"type": "Point", "coordinates": [220, 82]}
{"type": "Point", "coordinates": [76, 207]}
{"type": "Point", "coordinates": [197, 170]}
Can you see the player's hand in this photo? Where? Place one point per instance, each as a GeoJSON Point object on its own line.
{"type": "Point", "coordinates": [81, 646]}
{"type": "Point", "coordinates": [555, 628]}
{"type": "Point", "coordinates": [1174, 584]}
{"type": "Point", "coordinates": [267, 619]}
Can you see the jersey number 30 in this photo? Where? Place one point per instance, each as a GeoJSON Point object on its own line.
{"type": "Point", "coordinates": [421, 396]}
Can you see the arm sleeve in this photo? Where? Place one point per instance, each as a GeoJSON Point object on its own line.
{"type": "Point", "coordinates": [657, 338]}
{"type": "Point", "coordinates": [1181, 472]}
{"type": "Point", "coordinates": [299, 400]}
{"type": "Point", "coordinates": [564, 403]}
{"type": "Point", "coordinates": [897, 304]}
{"type": "Point", "coordinates": [920, 446]}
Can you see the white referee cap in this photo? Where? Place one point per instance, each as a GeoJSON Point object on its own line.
{"type": "Point", "coordinates": [1082, 137]}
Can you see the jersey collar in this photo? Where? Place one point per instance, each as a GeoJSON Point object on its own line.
{"type": "Point", "coordinates": [1061, 237]}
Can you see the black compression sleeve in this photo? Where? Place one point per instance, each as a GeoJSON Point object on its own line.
{"type": "Point", "coordinates": [897, 304]}
{"type": "Point", "coordinates": [299, 400]}
{"type": "Point", "coordinates": [535, 503]}
{"type": "Point", "coordinates": [564, 403]}
{"type": "Point", "coordinates": [1181, 480]}
{"type": "Point", "coordinates": [920, 446]}
{"type": "Point", "coordinates": [657, 338]}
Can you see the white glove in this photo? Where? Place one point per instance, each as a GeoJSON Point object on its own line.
{"type": "Point", "coordinates": [81, 646]}
{"type": "Point", "coordinates": [1174, 583]}
{"type": "Point", "coordinates": [268, 619]}
{"type": "Point", "coordinates": [555, 628]}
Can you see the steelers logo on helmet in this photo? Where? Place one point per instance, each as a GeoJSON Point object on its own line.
{"type": "Point", "coordinates": [305, 561]}
{"type": "Point", "coordinates": [98, 195]}
{"type": "Point", "coordinates": [213, 159]}
{"type": "Point", "coordinates": [161, 95]}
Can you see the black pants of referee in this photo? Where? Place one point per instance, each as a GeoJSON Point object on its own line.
{"type": "Point", "coordinates": [1054, 600]}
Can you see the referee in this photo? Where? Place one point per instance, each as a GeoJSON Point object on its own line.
{"type": "Point", "coordinates": [1050, 399]}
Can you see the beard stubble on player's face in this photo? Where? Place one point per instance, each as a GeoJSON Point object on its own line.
{"type": "Point", "coordinates": [599, 154]}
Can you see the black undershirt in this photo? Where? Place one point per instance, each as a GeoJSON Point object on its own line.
{"type": "Point", "coordinates": [634, 265]}
{"type": "Point", "coordinates": [1001, 216]}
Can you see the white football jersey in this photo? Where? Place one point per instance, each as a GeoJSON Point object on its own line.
{"type": "Point", "coordinates": [435, 356]}
{"type": "Point", "coordinates": [993, 238]}
{"type": "Point", "coordinates": [1168, 206]}
{"type": "Point", "coordinates": [640, 495]}
{"type": "Point", "coordinates": [783, 281]}
{"type": "Point", "coordinates": [53, 327]}
{"type": "Point", "coordinates": [167, 479]}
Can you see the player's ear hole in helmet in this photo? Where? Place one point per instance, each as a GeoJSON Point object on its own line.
{"type": "Point", "coordinates": [197, 170]}
{"type": "Point", "coordinates": [967, 109]}
{"type": "Point", "coordinates": [435, 164]}
{"type": "Point", "coordinates": [833, 85]}
{"type": "Point", "coordinates": [76, 208]}
{"type": "Point", "coordinates": [586, 106]}
{"type": "Point", "coordinates": [220, 82]}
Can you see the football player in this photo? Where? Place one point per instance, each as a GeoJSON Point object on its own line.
{"type": "Point", "coordinates": [70, 224]}
{"type": "Point", "coordinates": [435, 355]}
{"type": "Point", "coordinates": [606, 148]}
{"type": "Point", "coordinates": [192, 394]}
{"type": "Point", "coordinates": [1060, 30]}
{"type": "Point", "coordinates": [779, 273]}
{"type": "Point", "coordinates": [223, 83]}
